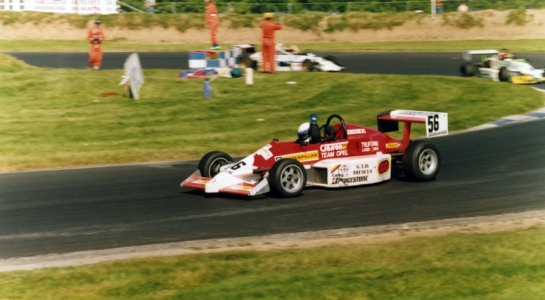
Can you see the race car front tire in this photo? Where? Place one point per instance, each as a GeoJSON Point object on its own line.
{"type": "Point", "coordinates": [308, 65]}
{"type": "Point", "coordinates": [211, 162]}
{"type": "Point", "coordinates": [504, 74]}
{"type": "Point", "coordinates": [421, 161]}
{"type": "Point", "coordinates": [287, 178]}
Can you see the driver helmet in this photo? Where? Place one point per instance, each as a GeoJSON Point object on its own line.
{"type": "Point", "coordinates": [304, 132]}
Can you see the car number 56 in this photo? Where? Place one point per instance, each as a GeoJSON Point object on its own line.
{"type": "Point", "coordinates": [437, 125]}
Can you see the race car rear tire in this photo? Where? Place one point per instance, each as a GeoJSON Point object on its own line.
{"type": "Point", "coordinates": [467, 70]}
{"type": "Point", "coordinates": [421, 161]}
{"type": "Point", "coordinates": [210, 163]}
{"type": "Point", "coordinates": [287, 178]}
{"type": "Point", "coordinates": [504, 74]}
{"type": "Point", "coordinates": [308, 65]}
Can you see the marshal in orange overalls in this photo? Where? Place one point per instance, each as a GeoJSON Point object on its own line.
{"type": "Point", "coordinates": [212, 21]}
{"type": "Point", "coordinates": [268, 44]}
{"type": "Point", "coordinates": [95, 36]}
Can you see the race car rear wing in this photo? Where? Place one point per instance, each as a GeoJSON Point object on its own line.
{"type": "Point", "coordinates": [436, 122]}
{"type": "Point", "coordinates": [468, 54]}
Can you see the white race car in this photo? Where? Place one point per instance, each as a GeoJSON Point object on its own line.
{"type": "Point", "coordinates": [288, 58]}
{"type": "Point", "coordinates": [500, 66]}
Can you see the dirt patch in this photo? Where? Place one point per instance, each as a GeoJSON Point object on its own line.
{"type": "Point", "coordinates": [493, 27]}
{"type": "Point", "coordinates": [361, 235]}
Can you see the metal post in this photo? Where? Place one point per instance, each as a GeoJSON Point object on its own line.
{"type": "Point", "coordinates": [347, 6]}
{"type": "Point", "coordinates": [433, 12]}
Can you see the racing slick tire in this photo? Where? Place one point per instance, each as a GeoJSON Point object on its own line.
{"type": "Point", "coordinates": [287, 178]}
{"type": "Point", "coordinates": [210, 163]}
{"type": "Point", "coordinates": [421, 161]}
{"type": "Point", "coordinates": [333, 59]}
{"type": "Point", "coordinates": [504, 74]}
{"type": "Point", "coordinates": [467, 70]}
{"type": "Point", "coordinates": [308, 65]}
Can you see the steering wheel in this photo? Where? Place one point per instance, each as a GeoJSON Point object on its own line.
{"type": "Point", "coordinates": [342, 127]}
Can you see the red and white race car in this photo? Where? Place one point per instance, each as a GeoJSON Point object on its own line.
{"type": "Point", "coordinates": [345, 155]}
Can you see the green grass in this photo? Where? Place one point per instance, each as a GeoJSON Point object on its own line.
{"type": "Point", "coordinates": [431, 46]}
{"type": "Point", "coordinates": [495, 266]}
{"type": "Point", "coordinates": [55, 118]}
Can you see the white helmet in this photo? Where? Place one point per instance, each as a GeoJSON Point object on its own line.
{"type": "Point", "coordinates": [303, 132]}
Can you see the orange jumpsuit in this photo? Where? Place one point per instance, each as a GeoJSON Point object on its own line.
{"type": "Point", "coordinates": [268, 44]}
{"type": "Point", "coordinates": [95, 35]}
{"type": "Point", "coordinates": [212, 21]}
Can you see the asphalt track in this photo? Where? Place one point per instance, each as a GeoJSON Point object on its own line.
{"type": "Point", "coordinates": [487, 172]}
{"type": "Point", "coordinates": [404, 63]}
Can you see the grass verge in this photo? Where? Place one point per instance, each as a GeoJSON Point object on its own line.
{"type": "Point", "coordinates": [415, 46]}
{"type": "Point", "coordinates": [55, 118]}
{"type": "Point", "coordinates": [501, 265]}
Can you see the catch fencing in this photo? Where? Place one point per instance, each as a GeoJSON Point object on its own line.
{"type": "Point", "coordinates": [283, 6]}
{"type": "Point", "coordinates": [81, 7]}
{"type": "Point", "coordinates": [424, 6]}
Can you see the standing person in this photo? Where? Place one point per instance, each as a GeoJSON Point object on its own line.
{"type": "Point", "coordinates": [150, 6]}
{"type": "Point", "coordinates": [439, 6]}
{"type": "Point", "coordinates": [267, 42]}
{"type": "Point", "coordinates": [212, 21]}
{"type": "Point", "coordinates": [95, 36]}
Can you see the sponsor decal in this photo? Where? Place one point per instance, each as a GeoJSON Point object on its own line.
{"type": "Point", "coordinates": [332, 147]}
{"type": "Point", "coordinates": [438, 133]}
{"type": "Point", "coordinates": [362, 169]}
{"type": "Point", "coordinates": [383, 166]}
{"type": "Point", "coordinates": [301, 156]}
{"type": "Point", "coordinates": [201, 181]}
{"type": "Point", "coordinates": [242, 187]}
{"type": "Point", "coordinates": [348, 180]}
{"type": "Point", "coordinates": [392, 145]}
{"type": "Point", "coordinates": [264, 152]}
{"type": "Point", "coordinates": [334, 150]}
{"type": "Point", "coordinates": [340, 171]}
{"type": "Point", "coordinates": [369, 146]}
{"type": "Point", "coordinates": [355, 131]}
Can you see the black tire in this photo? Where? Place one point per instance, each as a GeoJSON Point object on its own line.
{"type": "Point", "coordinates": [308, 65]}
{"type": "Point", "coordinates": [504, 74]}
{"type": "Point", "coordinates": [210, 163]}
{"type": "Point", "coordinates": [421, 161]}
{"type": "Point", "coordinates": [333, 59]}
{"type": "Point", "coordinates": [467, 70]}
{"type": "Point", "coordinates": [287, 178]}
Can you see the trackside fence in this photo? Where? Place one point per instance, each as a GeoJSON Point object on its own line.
{"type": "Point", "coordinates": [81, 7]}
{"type": "Point", "coordinates": [290, 7]}
{"type": "Point", "coordinates": [282, 6]}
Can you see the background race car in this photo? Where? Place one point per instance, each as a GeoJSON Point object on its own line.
{"type": "Point", "coordinates": [500, 66]}
{"type": "Point", "coordinates": [343, 155]}
{"type": "Point", "coordinates": [288, 58]}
